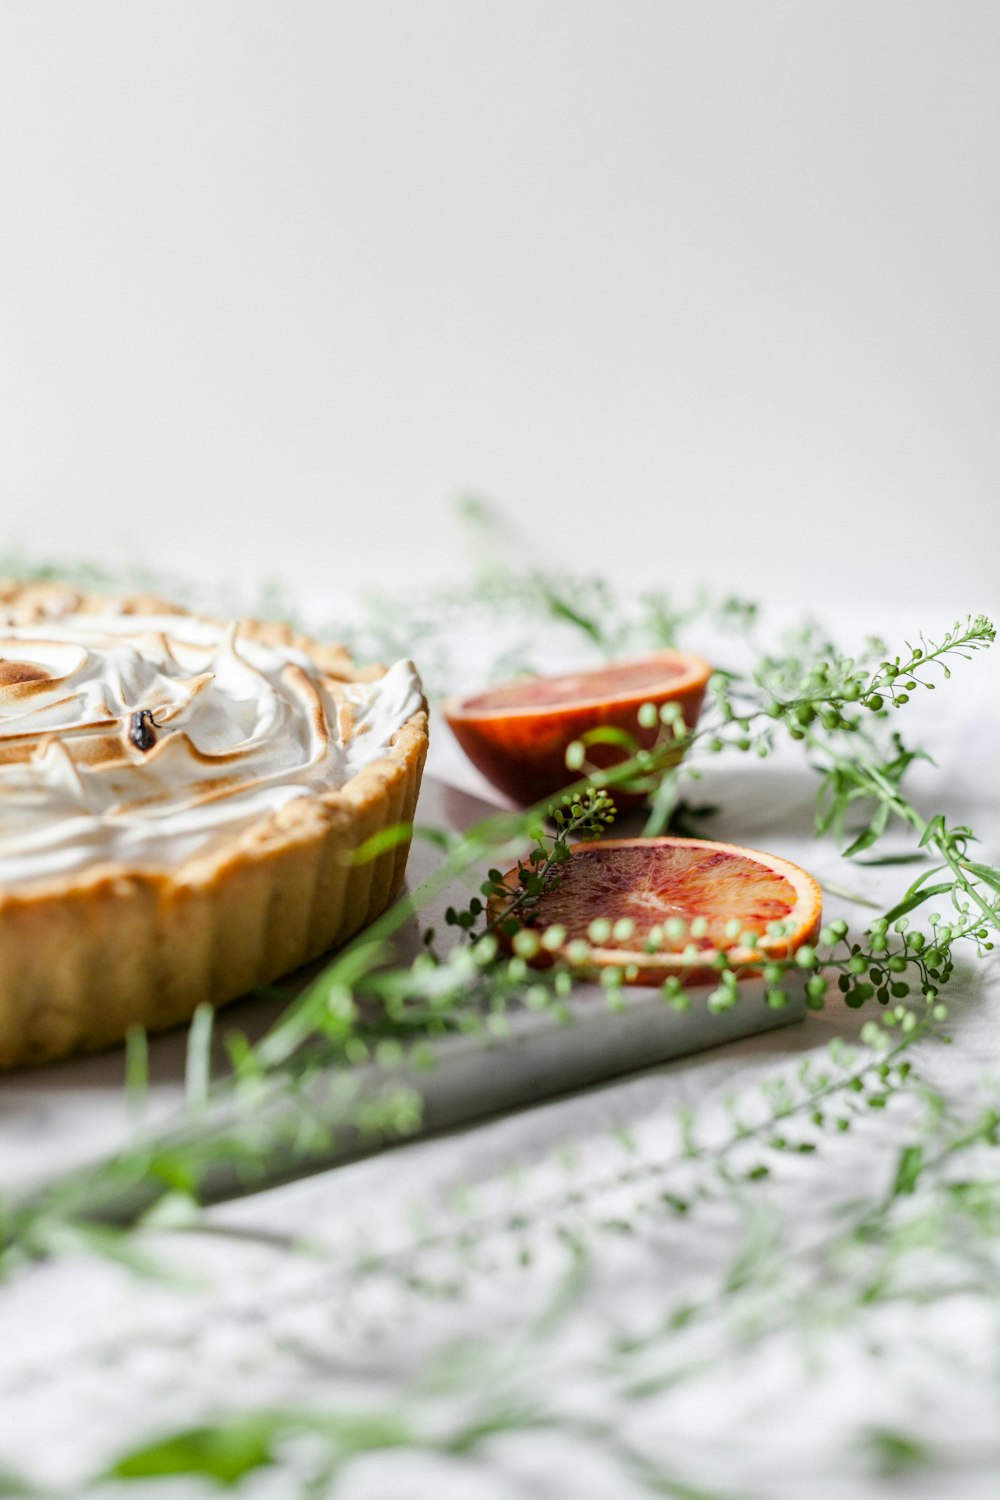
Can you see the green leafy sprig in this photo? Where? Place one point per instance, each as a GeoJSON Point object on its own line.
{"type": "Point", "coordinates": [365, 1011]}
{"type": "Point", "coordinates": [866, 1263]}
{"type": "Point", "coordinates": [298, 1093]}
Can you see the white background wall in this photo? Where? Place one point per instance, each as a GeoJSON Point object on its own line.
{"type": "Point", "coordinates": [691, 290]}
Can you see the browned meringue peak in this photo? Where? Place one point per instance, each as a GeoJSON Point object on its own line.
{"type": "Point", "coordinates": [149, 736]}
{"type": "Point", "coordinates": [20, 674]}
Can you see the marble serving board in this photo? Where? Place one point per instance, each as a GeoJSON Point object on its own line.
{"type": "Point", "coordinates": [58, 1117]}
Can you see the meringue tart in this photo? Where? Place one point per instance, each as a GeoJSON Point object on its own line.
{"type": "Point", "coordinates": [181, 801]}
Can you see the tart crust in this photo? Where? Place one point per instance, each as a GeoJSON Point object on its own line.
{"type": "Point", "coordinates": [84, 958]}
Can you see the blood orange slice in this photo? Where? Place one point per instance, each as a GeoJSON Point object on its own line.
{"type": "Point", "coordinates": [663, 906]}
{"type": "Point", "coordinates": [517, 734]}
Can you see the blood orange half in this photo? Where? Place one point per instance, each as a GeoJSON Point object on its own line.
{"type": "Point", "coordinates": [678, 903]}
{"type": "Point", "coordinates": [517, 734]}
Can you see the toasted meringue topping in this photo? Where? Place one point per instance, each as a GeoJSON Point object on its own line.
{"type": "Point", "coordinates": [144, 739]}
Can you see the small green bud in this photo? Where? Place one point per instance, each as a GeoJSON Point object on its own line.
{"type": "Point", "coordinates": [575, 755]}
{"type": "Point", "coordinates": [675, 994]}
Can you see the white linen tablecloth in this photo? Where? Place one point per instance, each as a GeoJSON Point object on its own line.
{"type": "Point", "coordinates": [94, 1358]}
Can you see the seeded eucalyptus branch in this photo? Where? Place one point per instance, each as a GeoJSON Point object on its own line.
{"type": "Point", "coordinates": [364, 1010]}
{"type": "Point", "coordinates": [367, 1012]}
{"type": "Point", "coordinates": [875, 1257]}
{"type": "Point", "coordinates": [585, 817]}
{"type": "Point", "coordinates": [820, 696]}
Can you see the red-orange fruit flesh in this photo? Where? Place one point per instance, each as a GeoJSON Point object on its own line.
{"type": "Point", "coordinates": [650, 881]}
{"type": "Point", "coordinates": [517, 734]}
